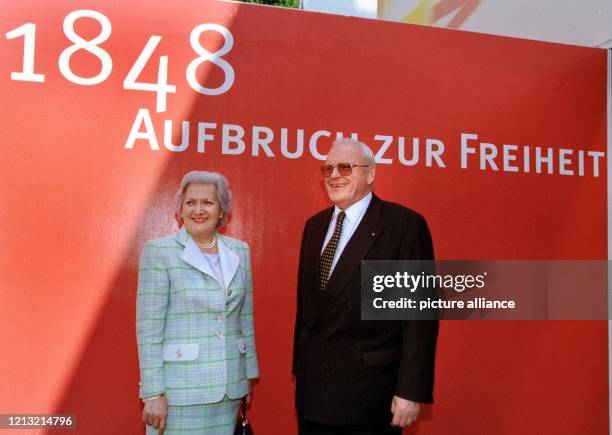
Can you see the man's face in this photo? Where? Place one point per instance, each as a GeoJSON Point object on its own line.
{"type": "Point", "coordinates": [346, 190]}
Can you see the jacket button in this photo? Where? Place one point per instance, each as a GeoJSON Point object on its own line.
{"type": "Point", "coordinates": [220, 335]}
{"type": "Point", "coordinates": [350, 305]}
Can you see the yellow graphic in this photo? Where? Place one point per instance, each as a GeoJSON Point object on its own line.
{"type": "Point", "coordinates": [427, 12]}
{"type": "Point", "coordinates": [422, 13]}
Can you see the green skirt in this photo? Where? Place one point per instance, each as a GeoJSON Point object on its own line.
{"type": "Point", "coordinates": [207, 419]}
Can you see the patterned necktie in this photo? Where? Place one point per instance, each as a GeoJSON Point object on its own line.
{"type": "Point", "coordinates": [327, 257]}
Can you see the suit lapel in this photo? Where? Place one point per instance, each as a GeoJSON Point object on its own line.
{"type": "Point", "coordinates": [193, 256]}
{"type": "Point", "coordinates": [321, 231]}
{"type": "Point", "coordinates": [228, 258]}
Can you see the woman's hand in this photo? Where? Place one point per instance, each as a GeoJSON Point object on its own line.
{"type": "Point", "coordinates": [155, 413]}
{"type": "Point", "coordinates": [248, 397]}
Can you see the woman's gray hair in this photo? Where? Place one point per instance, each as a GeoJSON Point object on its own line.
{"type": "Point", "coordinates": [365, 150]}
{"type": "Point", "coordinates": [224, 195]}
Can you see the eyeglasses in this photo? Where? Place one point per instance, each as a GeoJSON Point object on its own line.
{"type": "Point", "coordinates": [345, 169]}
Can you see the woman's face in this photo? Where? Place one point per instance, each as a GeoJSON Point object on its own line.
{"type": "Point", "coordinates": [201, 210]}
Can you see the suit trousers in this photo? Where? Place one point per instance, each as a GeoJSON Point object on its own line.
{"type": "Point", "coordinates": [309, 427]}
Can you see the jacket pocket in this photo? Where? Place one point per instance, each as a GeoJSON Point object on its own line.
{"type": "Point", "coordinates": [380, 357]}
{"type": "Point", "coordinates": [242, 346]}
{"type": "Point", "coordinates": [181, 352]}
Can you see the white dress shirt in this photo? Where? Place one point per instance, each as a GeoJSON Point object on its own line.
{"type": "Point", "coordinates": [353, 217]}
{"type": "Point", "coordinates": [214, 262]}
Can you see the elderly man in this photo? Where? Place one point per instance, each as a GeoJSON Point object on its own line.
{"type": "Point", "coordinates": [355, 376]}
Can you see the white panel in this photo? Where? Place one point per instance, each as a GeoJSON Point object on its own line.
{"type": "Point", "coordinates": [584, 22]}
{"type": "Point", "coordinates": [579, 22]}
{"type": "Point", "coordinates": [356, 8]}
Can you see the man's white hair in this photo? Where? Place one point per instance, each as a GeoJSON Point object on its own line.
{"type": "Point", "coordinates": [365, 150]}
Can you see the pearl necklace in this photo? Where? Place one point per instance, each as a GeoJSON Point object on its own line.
{"type": "Point", "coordinates": [208, 245]}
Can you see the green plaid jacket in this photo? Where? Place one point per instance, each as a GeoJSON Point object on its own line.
{"type": "Point", "coordinates": [196, 339]}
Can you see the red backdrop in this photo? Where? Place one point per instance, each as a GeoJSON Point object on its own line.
{"type": "Point", "coordinates": [78, 204]}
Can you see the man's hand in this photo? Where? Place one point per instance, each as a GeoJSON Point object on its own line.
{"type": "Point", "coordinates": [155, 413]}
{"type": "Point", "coordinates": [404, 411]}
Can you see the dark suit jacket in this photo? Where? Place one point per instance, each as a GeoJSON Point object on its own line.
{"type": "Point", "coordinates": [347, 370]}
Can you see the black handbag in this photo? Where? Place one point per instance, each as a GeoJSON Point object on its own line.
{"type": "Point", "coordinates": [243, 427]}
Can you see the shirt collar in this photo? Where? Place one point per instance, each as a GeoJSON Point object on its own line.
{"type": "Point", "coordinates": [354, 211]}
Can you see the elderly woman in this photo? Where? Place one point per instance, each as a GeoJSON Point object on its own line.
{"type": "Point", "coordinates": [194, 317]}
